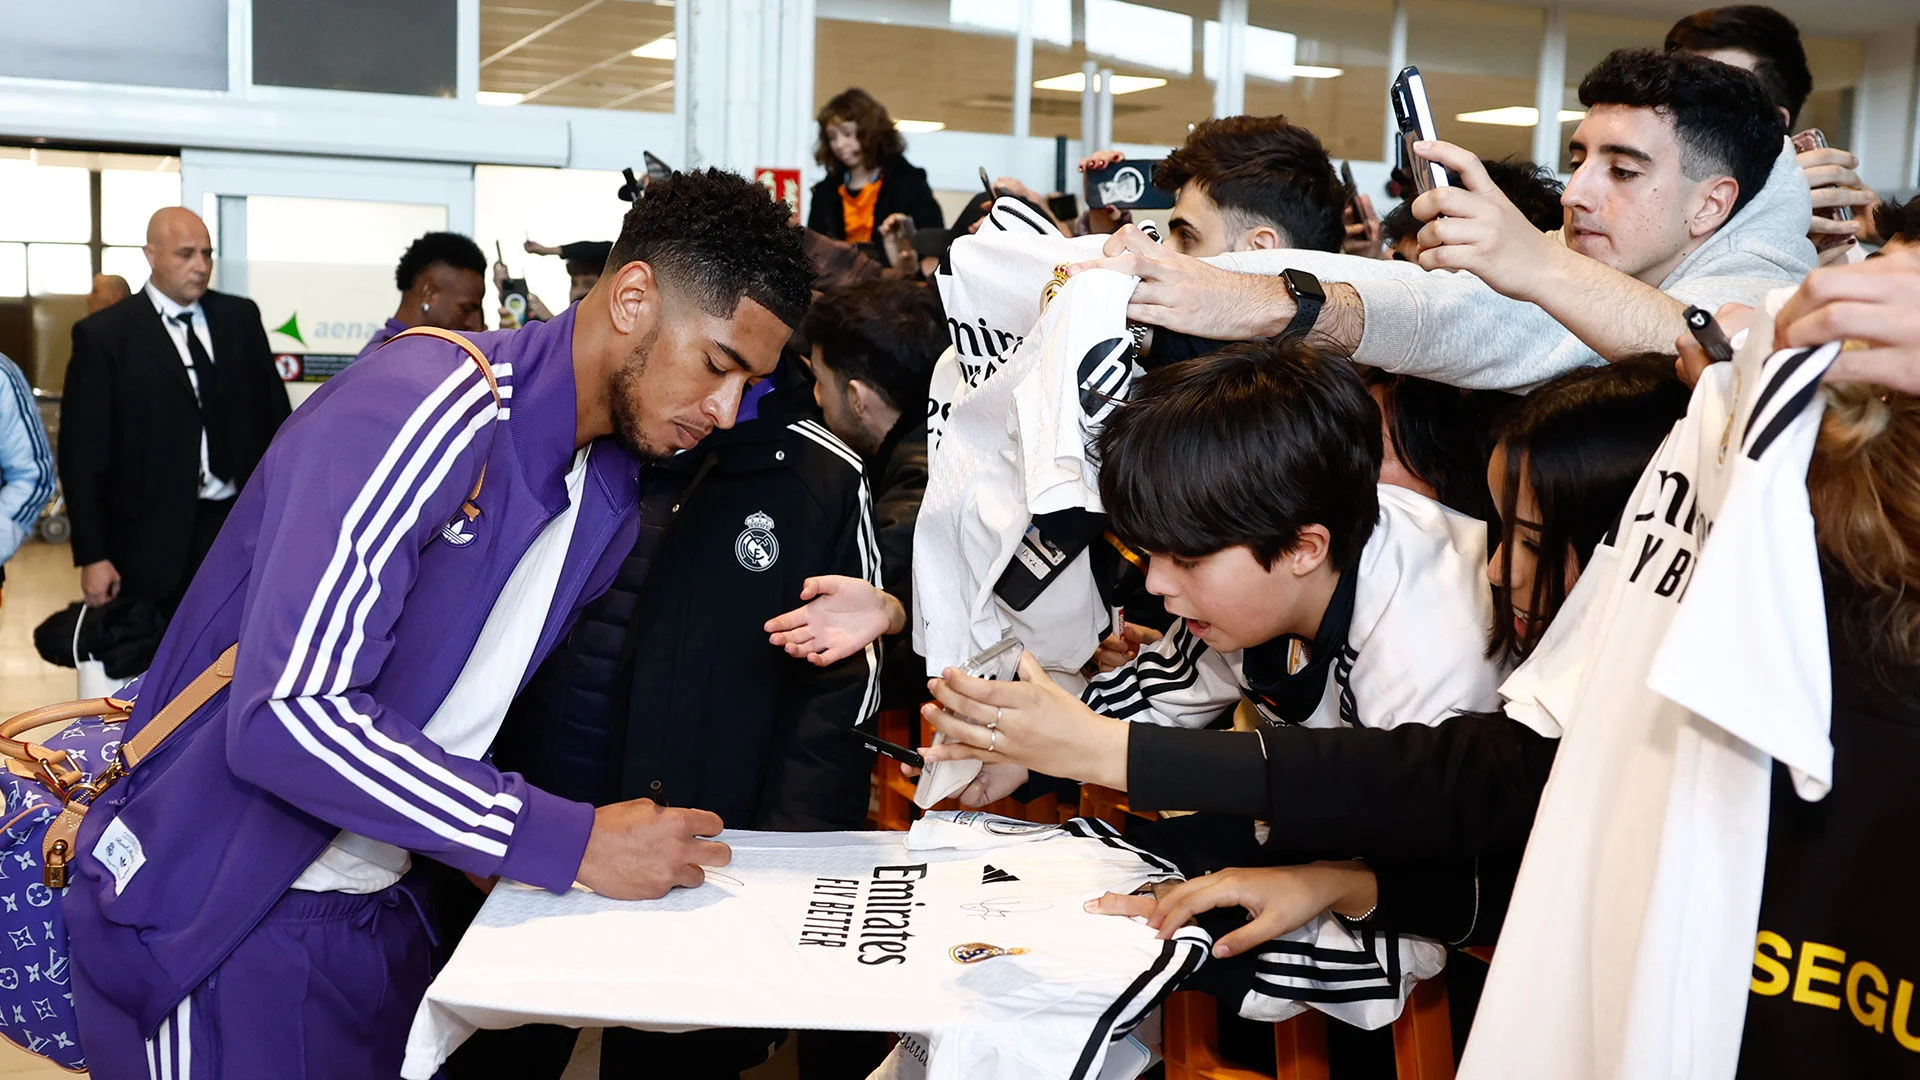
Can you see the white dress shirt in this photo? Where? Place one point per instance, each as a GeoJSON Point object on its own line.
{"type": "Point", "coordinates": [211, 486]}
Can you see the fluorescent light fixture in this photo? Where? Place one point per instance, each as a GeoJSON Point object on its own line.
{"type": "Point", "coordinates": [919, 127]}
{"type": "Point", "coordinates": [1141, 36]}
{"type": "Point", "coordinates": [1270, 55]}
{"type": "Point", "coordinates": [1515, 116]}
{"type": "Point", "coordinates": [1076, 83]}
{"type": "Point", "coordinates": [1052, 19]}
{"type": "Point", "coordinates": [496, 97]}
{"type": "Point", "coordinates": [660, 48]}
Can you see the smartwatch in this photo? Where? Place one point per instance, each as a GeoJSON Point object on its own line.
{"type": "Point", "coordinates": [1308, 299]}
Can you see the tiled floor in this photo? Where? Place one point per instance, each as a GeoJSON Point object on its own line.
{"type": "Point", "coordinates": [41, 579]}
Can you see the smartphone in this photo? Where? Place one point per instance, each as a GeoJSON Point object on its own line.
{"type": "Point", "coordinates": [513, 294]}
{"type": "Point", "coordinates": [1353, 192]}
{"type": "Point", "coordinates": [1064, 207]}
{"type": "Point", "coordinates": [1127, 185]}
{"type": "Point", "coordinates": [656, 169]}
{"type": "Point", "coordinates": [888, 749]}
{"type": "Point", "coordinates": [1815, 139]}
{"type": "Point", "coordinates": [1709, 335]}
{"type": "Point", "coordinates": [986, 183]}
{"type": "Point", "coordinates": [997, 661]}
{"type": "Point", "coordinates": [1414, 116]}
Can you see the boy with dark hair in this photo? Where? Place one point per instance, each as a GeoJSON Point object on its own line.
{"type": "Point", "coordinates": [873, 352]}
{"type": "Point", "coordinates": [442, 282]}
{"type": "Point", "coordinates": [1763, 41]}
{"type": "Point", "coordinates": [1296, 579]}
{"type": "Point", "coordinates": [1247, 183]}
{"type": "Point", "coordinates": [1684, 192]}
{"type": "Point", "coordinates": [414, 543]}
{"type": "Point", "coordinates": [1756, 38]}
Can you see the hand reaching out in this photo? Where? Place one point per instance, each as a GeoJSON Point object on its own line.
{"type": "Point", "coordinates": [841, 615]}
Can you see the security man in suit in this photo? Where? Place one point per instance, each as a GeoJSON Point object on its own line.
{"type": "Point", "coordinates": [171, 398]}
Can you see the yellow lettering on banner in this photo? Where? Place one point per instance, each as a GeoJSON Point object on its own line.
{"type": "Point", "coordinates": [1776, 972]}
{"type": "Point", "coordinates": [1868, 1008]}
{"type": "Point", "coordinates": [1808, 973]}
{"type": "Point", "coordinates": [1902, 1002]}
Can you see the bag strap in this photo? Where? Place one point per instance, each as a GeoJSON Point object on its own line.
{"type": "Point", "coordinates": [470, 507]}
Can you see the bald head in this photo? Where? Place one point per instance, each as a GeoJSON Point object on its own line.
{"type": "Point", "coordinates": [108, 290]}
{"type": "Point", "coordinates": [180, 253]}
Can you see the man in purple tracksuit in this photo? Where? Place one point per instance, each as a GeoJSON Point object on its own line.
{"type": "Point", "coordinates": [240, 905]}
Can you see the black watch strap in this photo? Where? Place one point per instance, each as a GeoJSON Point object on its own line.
{"type": "Point", "coordinates": [1308, 298]}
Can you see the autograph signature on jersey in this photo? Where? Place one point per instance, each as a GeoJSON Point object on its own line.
{"type": "Point", "coordinates": [1002, 906]}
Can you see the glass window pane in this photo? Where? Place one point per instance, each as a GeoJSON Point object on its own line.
{"type": "Point", "coordinates": [59, 268]}
{"type": "Point", "coordinates": [128, 262]}
{"type": "Point", "coordinates": [13, 269]}
{"type": "Point", "coordinates": [128, 199]}
{"type": "Point", "coordinates": [44, 202]}
{"type": "Point", "coordinates": [391, 48]}
{"type": "Point", "coordinates": [1477, 58]}
{"type": "Point", "coordinates": [178, 43]}
{"type": "Point", "coordinates": [564, 52]}
{"type": "Point", "coordinates": [513, 204]}
{"type": "Point", "coordinates": [1338, 86]}
{"type": "Point", "coordinates": [327, 298]}
{"type": "Point", "coordinates": [929, 74]}
{"type": "Point", "coordinates": [1157, 52]}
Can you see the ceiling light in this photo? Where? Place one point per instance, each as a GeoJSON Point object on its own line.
{"type": "Point", "coordinates": [1515, 116]}
{"type": "Point", "coordinates": [1076, 83]}
{"type": "Point", "coordinates": [497, 97]}
{"type": "Point", "coordinates": [919, 127]}
{"type": "Point", "coordinates": [660, 48]}
{"type": "Point", "coordinates": [1309, 71]}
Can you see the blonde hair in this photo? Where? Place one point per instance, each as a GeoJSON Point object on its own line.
{"type": "Point", "coordinates": [1864, 485]}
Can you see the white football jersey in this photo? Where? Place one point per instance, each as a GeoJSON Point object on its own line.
{"type": "Point", "coordinates": [1416, 648]}
{"type": "Point", "coordinates": [1692, 654]}
{"type": "Point", "coordinates": [967, 930]}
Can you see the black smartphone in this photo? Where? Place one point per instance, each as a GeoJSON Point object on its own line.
{"type": "Point", "coordinates": [1064, 207]}
{"type": "Point", "coordinates": [656, 169]}
{"type": "Point", "coordinates": [888, 749]}
{"type": "Point", "coordinates": [1127, 185]}
{"type": "Point", "coordinates": [513, 294]}
{"type": "Point", "coordinates": [986, 183]}
{"type": "Point", "coordinates": [1353, 192]}
{"type": "Point", "coordinates": [1709, 335]}
{"type": "Point", "coordinates": [1414, 116]}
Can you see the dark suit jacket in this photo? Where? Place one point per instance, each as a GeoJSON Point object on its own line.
{"type": "Point", "coordinates": [130, 432]}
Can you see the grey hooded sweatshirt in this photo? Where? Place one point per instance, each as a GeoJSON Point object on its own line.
{"type": "Point", "coordinates": [1450, 326]}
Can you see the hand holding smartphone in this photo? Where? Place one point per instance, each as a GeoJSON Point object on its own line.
{"type": "Point", "coordinates": [1414, 117]}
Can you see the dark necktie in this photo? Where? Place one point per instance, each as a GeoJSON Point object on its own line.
{"type": "Point", "coordinates": [209, 393]}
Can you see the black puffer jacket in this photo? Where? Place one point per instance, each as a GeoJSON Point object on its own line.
{"type": "Point", "coordinates": [667, 689]}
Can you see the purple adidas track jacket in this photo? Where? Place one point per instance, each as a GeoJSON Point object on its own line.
{"type": "Point", "coordinates": [356, 588]}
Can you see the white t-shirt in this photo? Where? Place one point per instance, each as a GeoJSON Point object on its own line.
{"type": "Point", "coordinates": [1416, 648]}
{"type": "Point", "coordinates": [470, 716]}
{"type": "Point", "coordinates": [1702, 657]}
{"type": "Point", "coordinates": [967, 930]}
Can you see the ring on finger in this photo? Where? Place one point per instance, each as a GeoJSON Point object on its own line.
{"type": "Point", "coordinates": [998, 711]}
{"type": "Point", "coordinates": [993, 739]}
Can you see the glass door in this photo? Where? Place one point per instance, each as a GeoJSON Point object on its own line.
{"type": "Point", "coordinates": [314, 242]}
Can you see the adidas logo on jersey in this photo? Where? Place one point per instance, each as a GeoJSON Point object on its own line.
{"type": "Point", "coordinates": [993, 875]}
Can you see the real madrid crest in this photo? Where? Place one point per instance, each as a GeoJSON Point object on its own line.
{"type": "Point", "coordinates": [757, 548]}
{"type": "Point", "coordinates": [975, 951]}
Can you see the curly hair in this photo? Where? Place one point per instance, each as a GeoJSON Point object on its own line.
{"type": "Point", "coordinates": [438, 247]}
{"type": "Point", "coordinates": [1722, 118]}
{"type": "Point", "coordinates": [1263, 169]}
{"type": "Point", "coordinates": [879, 139]}
{"type": "Point", "coordinates": [1781, 61]}
{"type": "Point", "coordinates": [720, 237]}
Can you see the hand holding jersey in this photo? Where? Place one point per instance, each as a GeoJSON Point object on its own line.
{"type": "Point", "coordinates": [1278, 900]}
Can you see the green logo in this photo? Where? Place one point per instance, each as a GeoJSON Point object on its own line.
{"type": "Point", "coordinates": [291, 328]}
